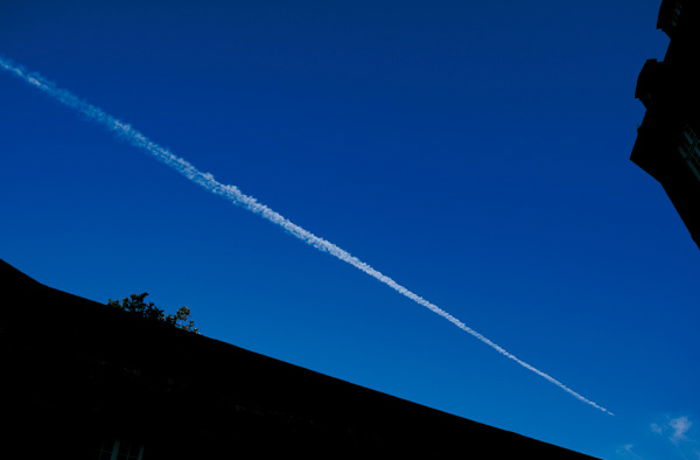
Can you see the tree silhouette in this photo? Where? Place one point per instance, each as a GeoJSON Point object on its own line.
{"type": "Point", "coordinates": [135, 304]}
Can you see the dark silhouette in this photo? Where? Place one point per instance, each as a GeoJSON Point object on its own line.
{"type": "Point", "coordinates": [80, 380]}
{"type": "Point", "coordinates": [135, 304]}
{"type": "Point", "coordinates": [668, 141]}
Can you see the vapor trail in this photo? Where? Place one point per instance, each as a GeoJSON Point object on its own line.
{"type": "Point", "coordinates": [233, 194]}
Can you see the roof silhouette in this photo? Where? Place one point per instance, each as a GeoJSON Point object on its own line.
{"type": "Point", "coordinates": [88, 376]}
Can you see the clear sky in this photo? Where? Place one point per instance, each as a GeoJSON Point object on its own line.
{"type": "Point", "coordinates": [476, 152]}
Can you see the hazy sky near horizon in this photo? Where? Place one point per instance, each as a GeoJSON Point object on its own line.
{"type": "Point", "coordinates": [478, 153]}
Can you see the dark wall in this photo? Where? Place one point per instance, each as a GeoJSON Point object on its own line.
{"type": "Point", "coordinates": [668, 141]}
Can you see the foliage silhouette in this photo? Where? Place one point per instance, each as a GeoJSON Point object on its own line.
{"type": "Point", "coordinates": [135, 304]}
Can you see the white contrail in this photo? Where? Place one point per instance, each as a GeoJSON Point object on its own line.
{"type": "Point", "coordinates": [233, 194]}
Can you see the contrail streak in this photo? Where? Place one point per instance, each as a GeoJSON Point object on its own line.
{"type": "Point", "coordinates": [233, 194]}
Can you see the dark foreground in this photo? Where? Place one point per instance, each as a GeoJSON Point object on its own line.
{"type": "Point", "coordinates": [83, 380]}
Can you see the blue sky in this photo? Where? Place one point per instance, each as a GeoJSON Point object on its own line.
{"type": "Point", "coordinates": [478, 153]}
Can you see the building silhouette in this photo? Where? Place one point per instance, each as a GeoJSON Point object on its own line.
{"type": "Point", "coordinates": [86, 380]}
{"type": "Point", "coordinates": [668, 140]}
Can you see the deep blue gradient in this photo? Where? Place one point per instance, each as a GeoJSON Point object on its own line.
{"type": "Point", "coordinates": [476, 152]}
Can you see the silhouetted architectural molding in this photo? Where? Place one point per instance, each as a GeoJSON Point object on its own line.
{"type": "Point", "coordinates": [82, 380]}
{"type": "Point", "coordinates": [668, 142]}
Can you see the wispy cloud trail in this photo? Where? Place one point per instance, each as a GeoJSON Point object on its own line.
{"type": "Point", "coordinates": [233, 194]}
